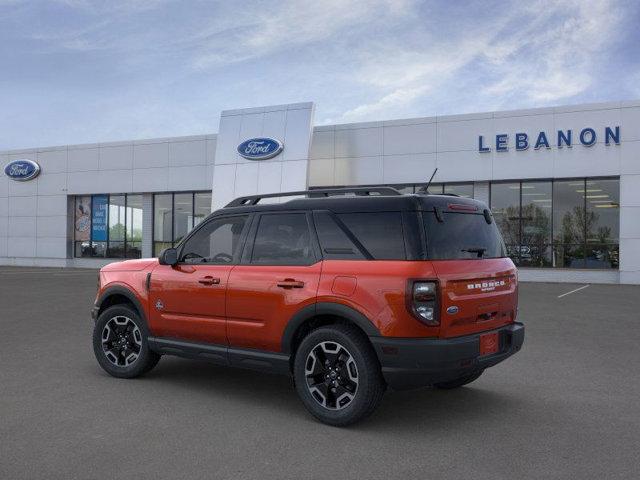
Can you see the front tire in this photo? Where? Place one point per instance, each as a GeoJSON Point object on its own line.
{"type": "Point", "coordinates": [337, 375]}
{"type": "Point", "coordinates": [120, 343]}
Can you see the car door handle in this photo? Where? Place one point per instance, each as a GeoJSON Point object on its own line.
{"type": "Point", "coordinates": [209, 281]}
{"type": "Point", "coordinates": [290, 283]}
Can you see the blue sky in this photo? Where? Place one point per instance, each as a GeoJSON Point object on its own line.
{"type": "Point", "coordinates": [77, 71]}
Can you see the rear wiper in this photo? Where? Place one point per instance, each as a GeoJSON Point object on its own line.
{"type": "Point", "coordinates": [479, 250]}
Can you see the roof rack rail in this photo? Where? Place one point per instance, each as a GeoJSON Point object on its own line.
{"type": "Point", "coordinates": [316, 193]}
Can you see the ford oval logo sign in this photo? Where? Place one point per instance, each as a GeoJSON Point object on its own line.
{"type": "Point", "coordinates": [22, 170]}
{"type": "Point", "coordinates": [260, 148]}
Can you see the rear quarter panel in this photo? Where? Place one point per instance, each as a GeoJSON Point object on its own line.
{"type": "Point", "coordinates": [377, 289]}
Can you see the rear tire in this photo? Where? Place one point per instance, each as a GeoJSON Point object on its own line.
{"type": "Point", "coordinates": [120, 343]}
{"type": "Point", "coordinates": [337, 375]}
{"type": "Point", "coordinates": [459, 382]}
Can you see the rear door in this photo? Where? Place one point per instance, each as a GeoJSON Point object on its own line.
{"type": "Point", "coordinates": [478, 283]}
{"type": "Point", "coordinates": [187, 300]}
{"type": "Point", "coordinates": [278, 276]}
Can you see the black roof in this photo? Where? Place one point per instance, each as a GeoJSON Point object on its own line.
{"type": "Point", "coordinates": [338, 202]}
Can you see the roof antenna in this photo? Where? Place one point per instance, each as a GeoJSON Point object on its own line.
{"type": "Point", "coordinates": [425, 189]}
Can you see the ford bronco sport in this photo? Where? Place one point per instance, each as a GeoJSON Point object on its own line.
{"type": "Point", "coordinates": [347, 290]}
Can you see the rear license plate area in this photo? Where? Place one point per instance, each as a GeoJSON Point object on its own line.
{"type": "Point", "coordinates": [489, 343]}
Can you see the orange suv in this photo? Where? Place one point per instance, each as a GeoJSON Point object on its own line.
{"type": "Point", "coordinates": [347, 290]}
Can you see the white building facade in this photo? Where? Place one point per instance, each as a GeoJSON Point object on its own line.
{"type": "Point", "coordinates": [563, 182]}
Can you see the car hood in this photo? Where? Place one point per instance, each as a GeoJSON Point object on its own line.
{"type": "Point", "coordinates": [130, 265]}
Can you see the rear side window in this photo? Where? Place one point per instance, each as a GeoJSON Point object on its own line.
{"type": "Point", "coordinates": [334, 242]}
{"type": "Point", "coordinates": [380, 233]}
{"type": "Point", "coordinates": [283, 239]}
{"type": "Point", "coordinates": [462, 236]}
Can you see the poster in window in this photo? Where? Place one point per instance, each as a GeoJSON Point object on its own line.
{"type": "Point", "coordinates": [99, 218]}
{"type": "Point", "coordinates": [83, 218]}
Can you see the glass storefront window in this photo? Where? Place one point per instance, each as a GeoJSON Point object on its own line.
{"type": "Point", "coordinates": [82, 226]}
{"type": "Point", "coordinates": [201, 207]}
{"type": "Point", "coordinates": [564, 223]}
{"type": "Point", "coordinates": [162, 222]}
{"type": "Point", "coordinates": [535, 241]}
{"type": "Point", "coordinates": [117, 220]}
{"type": "Point", "coordinates": [569, 223]}
{"type": "Point", "coordinates": [603, 223]}
{"type": "Point", "coordinates": [182, 215]}
{"type": "Point", "coordinates": [108, 226]}
{"type": "Point", "coordinates": [568, 212]}
{"type": "Point", "coordinates": [404, 188]}
{"type": "Point", "coordinates": [434, 188]}
{"type": "Point", "coordinates": [460, 189]}
{"type": "Point", "coordinates": [134, 226]}
{"type": "Point", "coordinates": [175, 215]}
{"type": "Point", "coordinates": [505, 205]}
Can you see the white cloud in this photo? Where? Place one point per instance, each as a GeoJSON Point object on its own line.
{"type": "Point", "coordinates": [554, 63]}
{"type": "Point", "coordinates": [544, 52]}
{"type": "Point", "coordinates": [287, 25]}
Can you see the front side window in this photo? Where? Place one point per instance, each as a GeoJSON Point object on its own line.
{"type": "Point", "coordinates": [217, 242]}
{"type": "Point", "coordinates": [462, 236]}
{"type": "Point", "coordinates": [283, 239]}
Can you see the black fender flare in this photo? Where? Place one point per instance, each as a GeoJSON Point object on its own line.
{"type": "Point", "coordinates": [125, 292]}
{"type": "Point", "coordinates": [325, 308]}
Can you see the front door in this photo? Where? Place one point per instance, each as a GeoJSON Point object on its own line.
{"type": "Point", "coordinates": [278, 275]}
{"type": "Point", "coordinates": [187, 301]}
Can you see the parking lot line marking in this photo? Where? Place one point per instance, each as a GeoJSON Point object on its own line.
{"type": "Point", "coordinates": [573, 291]}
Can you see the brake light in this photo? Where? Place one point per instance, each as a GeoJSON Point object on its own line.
{"type": "Point", "coordinates": [423, 302]}
{"type": "Point", "coordinates": [462, 207]}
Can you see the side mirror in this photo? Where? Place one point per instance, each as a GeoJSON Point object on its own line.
{"type": "Point", "coordinates": [169, 256]}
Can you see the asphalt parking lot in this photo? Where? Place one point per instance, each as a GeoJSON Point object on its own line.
{"type": "Point", "coordinates": [567, 406]}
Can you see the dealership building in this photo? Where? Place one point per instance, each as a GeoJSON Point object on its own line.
{"type": "Point", "coordinates": [563, 182]}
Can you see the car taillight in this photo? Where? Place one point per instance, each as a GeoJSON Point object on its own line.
{"type": "Point", "coordinates": [423, 302]}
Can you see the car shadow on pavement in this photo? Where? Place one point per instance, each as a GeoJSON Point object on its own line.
{"type": "Point", "coordinates": [421, 409]}
{"type": "Point", "coordinates": [436, 410]}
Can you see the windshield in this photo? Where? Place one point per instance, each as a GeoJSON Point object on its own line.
{"type": "Point", "coordinates": [462, 236]}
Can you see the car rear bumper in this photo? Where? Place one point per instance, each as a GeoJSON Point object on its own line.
{"type": "Point", "coordinates": [411, 362]}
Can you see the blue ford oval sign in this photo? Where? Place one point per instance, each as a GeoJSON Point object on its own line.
{"type": "Point", "coordinates": [22, 170]}
{"type": "Point", "coordinates": [260, 148]}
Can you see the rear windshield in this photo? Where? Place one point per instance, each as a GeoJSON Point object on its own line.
{"type": "Point", "coordinates": [462, 236]}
